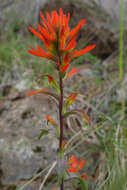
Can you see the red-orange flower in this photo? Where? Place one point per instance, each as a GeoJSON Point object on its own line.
{"type": "Point", "coordinates": [76, 165]}
{"type": "Point", "coordinates": [51, 120]}
{"type": "Point", "coordinates": [59, 40]}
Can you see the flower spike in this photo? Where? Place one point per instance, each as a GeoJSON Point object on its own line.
{"type": "Point", "coordinates": [58, 39]}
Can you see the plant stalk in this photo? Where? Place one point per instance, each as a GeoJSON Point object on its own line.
{"type": "Point", "coordinates": [61, 119]}
{"type": "Point", "coordinates": [121, 69]}
{"type": "Point", "coordinates": [60, 110]}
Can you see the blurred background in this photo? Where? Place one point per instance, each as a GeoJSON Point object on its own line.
{"type": "Point", "coordinates": [99, 85]}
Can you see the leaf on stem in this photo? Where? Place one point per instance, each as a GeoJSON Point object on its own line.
{"type": "Point", "coordinates": [83, 184]}
{"type": "Point", "coordinates": [52, 82]}
{"type": "Point", "coordinates": [69, 101]}
{"type": "Point", "coordinates": [44, 91]}
{"type": "Point", "coordinates": [51, 121]}
{"type": "Point", "coordinates": [36, 92]}
{"type": "Point", "coordinates": [43, 132]}
{"type": "Point", "coordinates": [73, 72]}
{"type": "Point", "coordinates": [80, 112]}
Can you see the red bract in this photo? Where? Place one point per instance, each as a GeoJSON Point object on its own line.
{"type": "Point", "coordinates": [59, 40]}
{"type": "Point", "coordinates": [36, 92]}
{"type": "Point", "coordinates": [73, 72]}
{"type": "Point", "coordinates": [76, 165]}
{"type": "Point", "coordinates": [51, 120]}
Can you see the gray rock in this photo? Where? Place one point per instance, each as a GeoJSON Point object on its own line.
{"type": "Point", "coordinates": [112, 7]}
{"type": "Point", "coordinates": [22, 155]}
{"type": "Point", "coordinates": [18, 11]}
{"type": "Point", "coordinates": [14, 12]}
{"type": "Point", "coordinates": [87, 73]}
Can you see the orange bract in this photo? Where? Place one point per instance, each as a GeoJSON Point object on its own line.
{"type": "Point", "coordinates": [73, 72]}
{"type": "Point", "coordinates": [54, 188]}
{"type": "Point", "coordinates": [36, 92]}
{"type": "Point", "coordinates": [51, 120]}
{"type": "Point", "coordinates": [75, 165]}
{"type": "Point", "coordinates": [71, 99]}
{"type": "Point", "coordinates": [63, 144]}
{"type": "Point", "coordinates": [59, 40]}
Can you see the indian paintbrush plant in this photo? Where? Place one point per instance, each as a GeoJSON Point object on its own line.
{"type": "Point", "coordinates": [60, 43]}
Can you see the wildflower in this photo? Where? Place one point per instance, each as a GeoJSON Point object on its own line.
{"type": "Point", "coordinates": [75, 165]}
{"type": "Point", "coordinates": [59, 40]}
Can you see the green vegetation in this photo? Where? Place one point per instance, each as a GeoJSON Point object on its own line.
{"type": "Point", "coordinates": [15, 58]}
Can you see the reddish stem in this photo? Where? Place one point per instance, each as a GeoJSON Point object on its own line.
{"type": "Point", "coordinates": [61, 118]}
{"type": "Point", "coordinates": [60, 110]}
{"type": "Point", "coordinates": [62, 185]}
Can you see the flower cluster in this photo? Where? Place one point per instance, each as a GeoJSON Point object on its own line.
{"type": "Point", "coordinates": [59, 46]}
{"type": "Point", "coordinates": [75, 165]}
{"type": "Point", "coordinates": [59, 40]}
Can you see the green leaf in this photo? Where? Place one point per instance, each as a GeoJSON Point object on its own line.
{"type": "Point", "coordinates": [83, 184]}
{"type": "Point", "coordinates": [52, 82]}
{"type": "Point", "coordinates": [60, 178]}
{"type": "Point", "coordinates": [69, 101]}
{"type": "Point", "coordinates": [58, 132]}
{"type": "Point", "coordinates": [43, 132]}
{"type": "Point", "coordinates": [84, 124]}
{"type": "Point", "coordinates": [84, 116]}
{"type": "Point", "coordinates": [67, 114]}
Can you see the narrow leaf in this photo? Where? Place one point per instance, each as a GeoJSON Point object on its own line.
{"type": "Point", "coordinates": [51, 121]}
{"type": "Point", "coordinates": [84, 115]}
{"type": "Point", "coordinates": [69, 101]}
{"type": "Point", "coordinates": [73, 72]}
{"type": "Point", "coordinates": [44, 91]}
{"type": "Point", "coordinates": [80, 112]}
{"type": "Point", "coordinates": [58, 132]}
{"type": "Point", "coordinates": [35, 92]}
{"type": "Point", "coordinates": [43, 132]}
{"type": "Point", "coordinates": [67, 114]}
{"type": "Point", "coordinates": [52, 82]}
{"type": "Point", "coordinates": [83, 184]}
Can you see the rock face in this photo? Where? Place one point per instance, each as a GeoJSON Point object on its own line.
{"type": "Point", "coordinates": [112, 7]}
{"type": "Point", "coordinates": [16, 12]}
{"type": "Point", "coordinates": [22, 155]}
